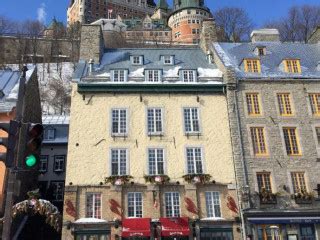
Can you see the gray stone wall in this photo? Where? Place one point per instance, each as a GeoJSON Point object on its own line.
{"type": "Point", "coordinates": [277, 162]}
{"type": "Point", "coordinates": [92, 44]}
{"type": "Point", "coordinates": [208, 34]}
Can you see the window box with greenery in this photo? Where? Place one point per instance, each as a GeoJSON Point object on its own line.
{"type": "Point", "coordinates": [267, 197]}
{"type": "Point", "coordinates": [157, 179]}
{"type": "Point", "coordinates": [303, 197]}
{"type": "Point", "coordinates": [197, 178]}
{"type": "Point", "coordinates": [118, 180]}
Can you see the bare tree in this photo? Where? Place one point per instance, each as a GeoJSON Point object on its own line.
{"type": "Point", "coordinates": [234, 23]}
{"type": "Point", "coordinates": [7, 26]}
{"type": "Point", "coordinates": [298, 24]}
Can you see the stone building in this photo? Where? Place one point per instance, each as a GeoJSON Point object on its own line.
{"type": "Point", "coordinates": [273, 94]}
{"type": "Point", "coordinates": [186, 20]}
{"type": "Point", "coordinates": [53, 158]}
{"type": "Point", "coordinates": [149, 147]}
{"type": "Point", "coordinates": [88, 11]}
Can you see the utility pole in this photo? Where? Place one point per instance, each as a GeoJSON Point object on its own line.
{"type": "Point", "coordinates": [12, 173]}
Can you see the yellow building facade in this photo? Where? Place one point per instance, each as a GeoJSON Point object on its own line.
{"type": "Point", "coordinates": [147, 157]}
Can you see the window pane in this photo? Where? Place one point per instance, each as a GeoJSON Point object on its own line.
{"type": "Point", "coordinates": [213, 204]}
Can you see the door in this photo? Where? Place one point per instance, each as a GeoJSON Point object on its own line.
{"type": "Point", "coordinates": [307, 232]}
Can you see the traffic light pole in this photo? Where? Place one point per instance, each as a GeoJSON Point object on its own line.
{"type": "Point", "coordinates": [12, 178]}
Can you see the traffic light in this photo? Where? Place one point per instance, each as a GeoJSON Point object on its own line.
{"type": "Point", "coordinates": [34, 141]}
{"type": "Point", "coordinates": [9, 142]}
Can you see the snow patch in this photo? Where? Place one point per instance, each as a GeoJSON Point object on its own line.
{"type": "Point", "coordinates": [137, 73]}
{"type": "Point", "coordinates": [172, 72]}
{"type": "Point", "coordinates": [90, 220]}
{"type": "Point", "coordinates": [105, 74]}
{"type": "Point", "coordinates": [13, 95]}
{"type": "Point", "coordinates": [222, 54]}
{"type": "Point", "coordinates": [208, 72]}
{"type": "Point", "coordinates": [112, 57]}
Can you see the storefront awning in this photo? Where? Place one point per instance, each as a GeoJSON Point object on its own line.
{"type": "Point", "coordinates": [174, 227]}
{"type": "Point", "coordinates": [284, 220]}
{"type": "Point", "coordinates": [132, 227]}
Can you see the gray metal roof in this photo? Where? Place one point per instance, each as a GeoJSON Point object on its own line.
{"type": "Point", "coordinates": [8, 80]}
{"type": "Point", "coordinates": [60, 124]}
{"type": "Point", "coordinates": [55, 119]}
{"type": "Point", "coordinates": [233, 54]}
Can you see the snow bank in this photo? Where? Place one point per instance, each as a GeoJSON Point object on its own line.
{"type": "Point", "coordinates": [208, 72]}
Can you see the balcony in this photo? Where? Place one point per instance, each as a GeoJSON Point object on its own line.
{"type": "Point", "coordinates": [268, 198]}
{"type": "Point", "coordinates": [303, 197]}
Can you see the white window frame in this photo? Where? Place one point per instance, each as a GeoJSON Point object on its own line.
{"type": "Point", "coordinates": [137, 204]}
{"type": "Point", "coordinates": [44, 160]}
{"type": "Point", "coordinates": [95, 204]}
{"type": "Point", "coordinates": [212, 201]}
{"type": "Point", "coordinates": [170, 206]}
{"type": "Point", "coordinates": [153, 119]}
{"type": "Point", "coordinates": [57, 192]}
{"type": "Point", "coordinates": [150, 75]}
{"type": "Point", "coordinates": [49, 134]}
{"type": "Point", "coordinates": [59, 164]}
{"type": "Point", "coordinates": [188, 76]}
{"type": "Point", "coordinates": [119, 122]}
{"type": "Point", "coordinates": [157, 161]}
{"type": "Point", "coordinates": [120, 78]}
{"type": "Point", "coordinates": [135, 58]}
{"type": "Point", "coordinates": [167, 60]}
{"type": "Point", "coordinates": [193, 161]}
{"type": "Point", "coordinates": [193, 121]}
{"type": "Point", "coordinates": [118, 162]}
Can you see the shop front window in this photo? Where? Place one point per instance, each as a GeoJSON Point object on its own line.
{"type": "Point", "coordinates": [216, 234]}
{"type": "Point", "coordinates": [307, 232]}
{"type": "Point", "coordinates": [270, 232]}
{"type": "Point", "coordinates": [92, 237]}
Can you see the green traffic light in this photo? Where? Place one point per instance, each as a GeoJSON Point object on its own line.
{"type": "Point", "coordinates": [31, 160]}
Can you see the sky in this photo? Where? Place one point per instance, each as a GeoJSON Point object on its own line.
{"type": "Point", "coordinates": [260, 11]}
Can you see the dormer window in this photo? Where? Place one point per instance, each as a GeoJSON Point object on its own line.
{"type": "Point", "coordinates": [260, 51]}
{"type": "Point", "coordinates": [137, 60]}
{"type": "Point", "coordinates": [252, 65]}
{"type": "Point", "coordinates": [188, 75]}
{"type": "Point", "coordinates": [49, 134]}
{"type": "Point", "coordinates": [120, 75]}
{"type": "Point", "coordinates": [168, 60]}
{"type": "Point", "coordinates": [153, 76]}
{"type": "Point", "coordinates": [292, 66]}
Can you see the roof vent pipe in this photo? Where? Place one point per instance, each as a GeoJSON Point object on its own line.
{"type": "Point", "coordinates": [209, 57]}
{"type": "Point", "coordinates": [91, 62]}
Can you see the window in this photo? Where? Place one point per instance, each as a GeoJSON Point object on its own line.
{"type": "Point", "coordinates": [118, 162]}
{"type": "Point", "coordinates": [136, 60]}
{"type": "Point", "coordinates": [49, 134]}
{"type": "Point", "coordinates": [168, 60]}
{"type": "Point", "coordinates": [154, 121]}
{"type": "Point", "coordinates": [93, 206]}
{"type": "Point", "coordinates": [261, 51]}
{"type": "Point", "coordinates": [191, 120]}
{"type": "Point", "coordinates": [264, 181]}
{"type": "Point", "coordinates": [193, 31]}
{"type": "Point", "coordinates": [291, 141]}
{"type": "Point", "coordinates": [194, 160]}
{"type": "Point", "coordinates": [172, 201]}
{"type": "Point", "coordinates": [258, 141]}
{"type": "Point", "coordinates": [284, 104]}
{"type": "Point", "coordinates": [43, 163]}
{"type": "Point", "coordinates": [135, 204]}
{"type": "Point", "coordinates": [315, 103]}
{"type": "Point", "coordinates": [119, 75]}
{"type": "Point", "coordinates": [292, 66]}
{"type": "Point", "coordinates": [188, 75]}
{"type": "Point", "coordinates": [298, 182]}
{"type": "Point", "coordinates": [253, 104]}
{"type": "Point", "coordinates": [252, 65]}
{"type": "Point", "coordinates": [156, 161]}
{"type": "Point", "coordinates": [318, 136]}
{"type": "Point", "coordinates": [153, 76]}
{"type": "Point", "coordinates": [119, 122]}
{"type": "Point", "coordinates": [59, 162]}
{"type": "Point", "coordinates": [57, 190]}
{"type": "Point", "coordinates": [213, 204]}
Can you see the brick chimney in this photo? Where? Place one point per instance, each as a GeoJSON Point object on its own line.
{"type": "Point", "coordinates": [265, 35]}
{"type": "Point", "coordinates": [315, 36]}
{"type": "Point", "coordinates": [92, 44]}
{"type": "Point", "coordinates": [208, 34]}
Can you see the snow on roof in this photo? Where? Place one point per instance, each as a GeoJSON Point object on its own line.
{"type": "Point", "coordinates": [137, 73]}
{"type": "Point", "coordinates": [265, 31]}
{"type": "Point", "coordinates": [55, 119]}
{"type": "Point", "coordinates": [172, 72]}
{"type": "Point", "coordinates": [208, 72]}
{"type": "Point", "coordinates": [90, 220]}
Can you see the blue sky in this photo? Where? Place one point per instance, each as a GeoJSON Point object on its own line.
{"type": "Point", "coordinates": [259, 10]}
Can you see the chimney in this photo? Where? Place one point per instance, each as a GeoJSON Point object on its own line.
{"type": "Point", "coordinates": [265, 35]}
{"type": "Point", "coordinates": [208, 34]}
{"type": "Point", "coordinates": [315, 36]}
{"type": "Point", "coordinates": [91, 63]}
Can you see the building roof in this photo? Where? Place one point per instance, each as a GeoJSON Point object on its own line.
{"type": "Point", "coordinates": [233, 54]}
{"type": "Point", "coordinates": [9, 86]}
{"type": "Point", "coordinates": [55, 119]}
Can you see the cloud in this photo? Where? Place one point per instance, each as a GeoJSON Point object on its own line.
{"type": "Point", "coordinates": [42, 14]}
